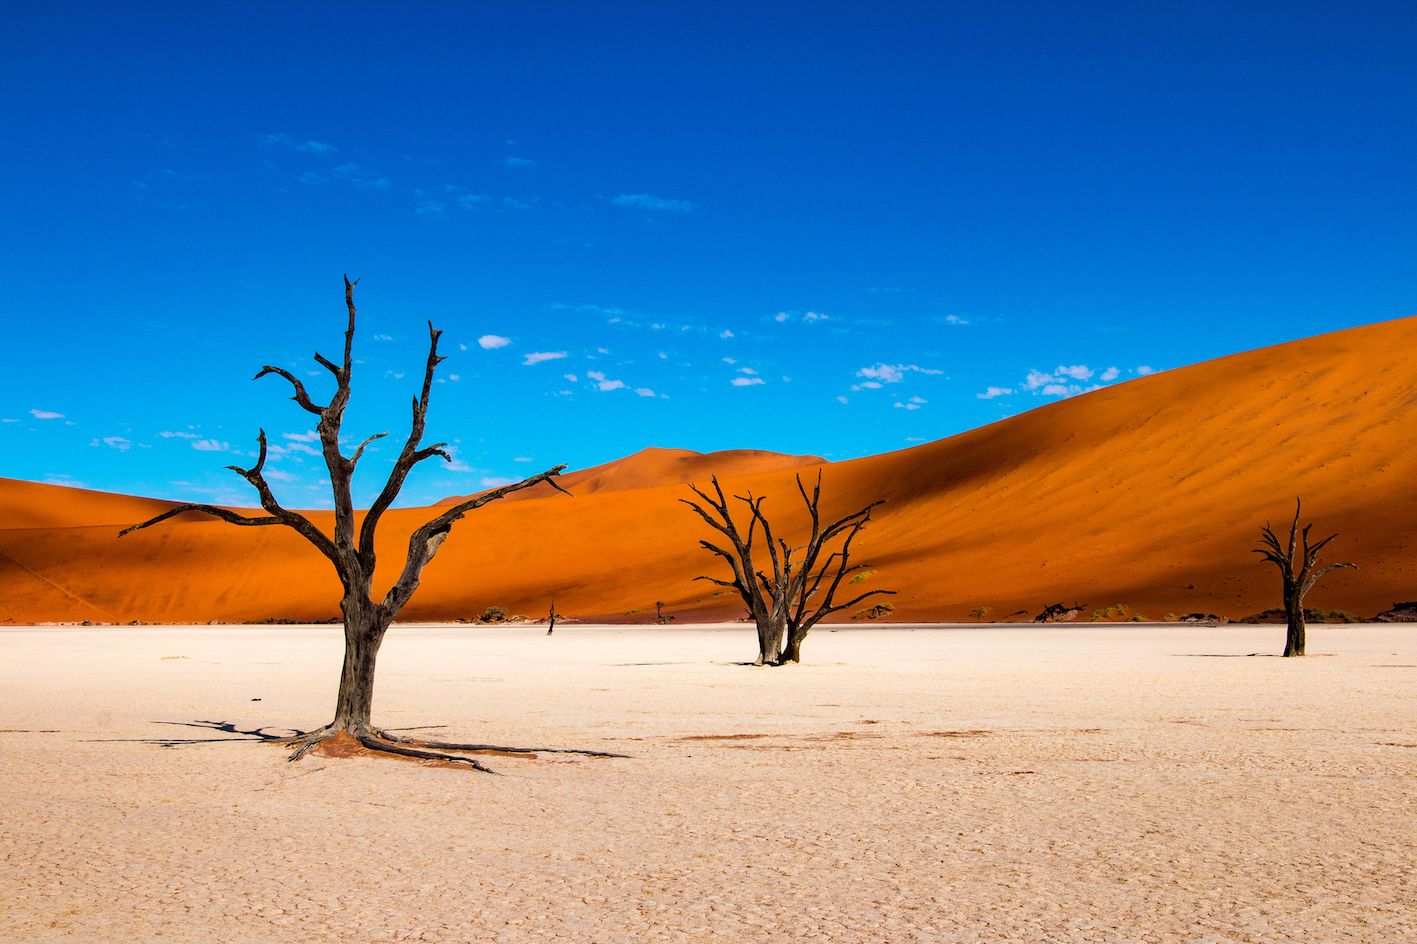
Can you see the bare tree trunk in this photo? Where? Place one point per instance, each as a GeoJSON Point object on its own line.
{"type": "Point", "coordinates": [364, 630]}
{"type": "Point", "coordinates": [1294, 633]}
{"type": "Point", "coordinates": [792, 652]}
{"type": "Point", "coordinates": [770, 636]}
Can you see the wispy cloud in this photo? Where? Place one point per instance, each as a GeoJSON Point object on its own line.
{"type": "Point", "coordinates": [644, 392]}
{"type": "Point", "coordinates": [520, 162]}
{"type": "Point", "coordinates": [361, 177]}
{"type": "Point", "coordinates": [746, 381]}
{"type": "Point", "coordinates": [603, 383]}
{"type": "Point", "coordinates": [648, 201]}
{"type": "Point", "coordinates": [893, 373]}
{"type": "Point", "coordinates": [121, 443]}
{"type": "Point", "coordinates": [383, 337]}
{"type": "Point", "coordinates": [536, 357]}
{"type": "Point", "coordinates": [1143, 370]}
{"type": "Point", "coordinates": [46, 415]}
{"type": "Point", "coordinates": [169, 434]}
{"type": "Point", "coordinates": [211, 445]}
{"type": "Point", "coordinates": [993, 392]}
{"type": "Point", "coordinates": [289, 143]}
{"type": "Point", "coordinates": [490, 342]}
{"type": "Point", "coordinates": [1109, 375]}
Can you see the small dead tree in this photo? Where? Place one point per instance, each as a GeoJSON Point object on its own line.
{"type": "Point", "coordinates": [350, 549]}
{"type": "Point", "coordinates": [799, 590]}
{"type": "Point", "coordinates": [1296, 565]}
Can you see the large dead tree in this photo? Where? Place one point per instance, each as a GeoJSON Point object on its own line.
{"type": "Point", "coordinates": [350, 549]}
{"type": "Point", "coordinates": [1296, 564]}
{"type": "Point", "coordinates": [800, 587]}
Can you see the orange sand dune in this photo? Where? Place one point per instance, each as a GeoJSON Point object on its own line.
{"type": "Point", "coordinates": [654, 466]}
{"type": "Point", "coordinates": [1149, 494]}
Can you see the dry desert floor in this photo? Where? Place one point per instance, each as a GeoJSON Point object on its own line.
{"type": "Point", "coordinates": [1026, 784]}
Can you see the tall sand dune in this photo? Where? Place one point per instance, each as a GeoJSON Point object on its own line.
{"type": "Point", "coordinates": [1148, 493]}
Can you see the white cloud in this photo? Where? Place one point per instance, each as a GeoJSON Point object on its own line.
{"type": "Point", "coordinates": [648, 201]}
{"type": "Point", "coordinates": [747, 370]}
{"type": "Point", "coordinates": [918, 400]}
{"type": "Point", "coordinates": [210, 445]}
{"type": "Point", "coordinates": [893, 373]}
{"type": "Point", "coordinates": [730, 360]}
{"type": "Point", "coordinates": [521, 459]}
{"type": "Point", "coordinates": [572, 378]}
{"type": "Point", "coordinates": [1144, 370]}
{"type": "Point", "coordinates": [841, 399]}
{"type": "Point", "coordinates": [644, 391]}
{"type": "Point", "coordinates": [1060, 390]}
{"type": "Point", "coordinates": [461, 346]}
{"type": "Point", "coordinates": [46, 415]}
{"type": "Point", "coordinates": [121, 443]}
{"type": "Point", "coordinates": [955, 320]}
{"type": "Point", "coordinates": [519, 162]}
{"type": "Point", "coordinates": [746, 381]}
{"type": "Point", "coordinates": [1109, 375]}
{"type": "Point", "coordinates": [812, 316]}
{"type": "Point", "coordinates": [383, 337]}
{"type": "Point", "coordinates": [536, 357]}
{"type": "Point", "coordinates": [1036, 379]}
{"type": "Point", "coordinates": [361, 177]}
{"type": "Point", "coordinates": [602, 383]}
{"type": "Point", "coordinates": [309, 437]}
{"type": "Point", "coordinates": [490, 342]}
{"type": "Point", "coordinates": [866, 385]}
{"type": "Point", "coordinates": [993, 392]}
{"type": "Point", "coordinates": [1076, 372]}
{"type": "Point", "coordinates": [169, 434]}
{"type": "Point", "coordinates": [781, 316]}
{"type": "Point", "coordinates": [276, 475]}
{"type": "Point", "coordinates": [907, 406]}
{"type": "Point", "coordinates": [292, 144]}
{"type": "Point", "coordinates": [725, 334]}
{"type": "Point", "coordinates": [495, 481]}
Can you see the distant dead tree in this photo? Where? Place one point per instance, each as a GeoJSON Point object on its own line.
{"type": "Point", "coordinates": [351, 548]}
{"type": "Point", "coordinates": [800, 590]}
{"type": "Point", "coordinates": [1296, 564]}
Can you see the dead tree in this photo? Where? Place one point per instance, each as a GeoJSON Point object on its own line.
{"type": "Point", "coordinates": [1296, 565]}
{"type": "Point", "coordinates": [800, 588]}
{"type": "Point", "coordinates": [351, 548]}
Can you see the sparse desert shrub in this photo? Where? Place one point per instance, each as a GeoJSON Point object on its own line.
{"type": "Point", "coordinates": [493, 614]}
{"type": "Point", "coordinates": [1314, 615]}
{"type": "Point", "coordinates": [979, 612]}
{"type": "Point", "coordinates": [857, 578]}
{"type": "Point", "coordinates": [874, 612]}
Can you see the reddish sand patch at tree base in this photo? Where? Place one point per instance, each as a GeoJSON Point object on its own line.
{"type": "Point", "coordinates": [1148, 494]}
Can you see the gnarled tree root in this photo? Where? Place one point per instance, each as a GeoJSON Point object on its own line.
{"type": "Point", "coordinates": [379, 741]}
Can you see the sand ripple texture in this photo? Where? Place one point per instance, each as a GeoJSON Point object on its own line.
{"type": "Point", "coordinates": [929, 785]}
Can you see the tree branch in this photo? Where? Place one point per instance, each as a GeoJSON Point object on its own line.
{"type": "Point", "coordinates": [301, 397]}
{"type": "Point", "coordinates": [423, 544]}
{"type": "Point", "coordinates": [230, 517]}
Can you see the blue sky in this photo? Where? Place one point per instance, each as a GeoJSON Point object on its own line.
{"type": "Point", "coordinates": [814, 228]}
